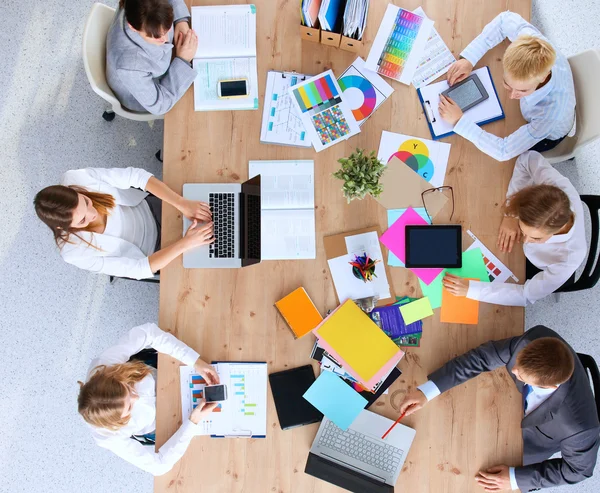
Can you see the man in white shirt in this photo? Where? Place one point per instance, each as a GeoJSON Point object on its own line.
{"type": "Point", "coordinates": [559, 410]}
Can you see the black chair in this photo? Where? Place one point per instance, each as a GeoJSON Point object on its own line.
{"type": "Point", "coordinates": [592, 369]}
{"type": "Point", "coordinates": [148, 356]}
{"type": "Point", "coordinates": [155, 279]}
{"type": "Point", "coordinates": [591, 272]}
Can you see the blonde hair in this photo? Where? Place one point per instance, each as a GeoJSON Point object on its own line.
{"type": "Point", "coordinates": [529, 57]}
{"type": "Point", "coordinates": [101, 399]}
{"type": "Point", "coordinates": [544, 207]}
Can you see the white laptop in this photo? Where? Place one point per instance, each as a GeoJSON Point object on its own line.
{"type": "Point", "coordinates": [358, 459]}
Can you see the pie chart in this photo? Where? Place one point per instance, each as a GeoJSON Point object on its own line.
{"type": "Point", "coordinates": [415, 154]}
{"type": "Point", "coordinates": [359, 94]}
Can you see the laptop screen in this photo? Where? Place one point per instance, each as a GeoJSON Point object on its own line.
{"type": "Point", "coordinates": [250, 222]}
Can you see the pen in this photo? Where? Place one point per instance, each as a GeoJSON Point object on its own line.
{"type": "Point", "coordinates": [395, 423]}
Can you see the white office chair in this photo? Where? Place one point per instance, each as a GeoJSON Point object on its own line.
{"type": "Point", "coordinates": [94, 61]}
{"type": "Point", "coordinates": [586, 74]}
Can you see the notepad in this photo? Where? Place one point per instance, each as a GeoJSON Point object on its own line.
{"type": "Point", "coordinates": [458, 309]}
{"type": "Point", "coordinates": [358, 344]}
{"type": "Point", "coordinates": [226, 50]}
{"type": "Point", "coordinates": [299, 312]}
{"type": "Point", "coordinates": [416, 310]}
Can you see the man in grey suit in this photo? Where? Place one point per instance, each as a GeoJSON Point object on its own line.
{"type": "Point", "coordinates": [139, 49]}
{"type": "Point", "coordinates": [560, 412]}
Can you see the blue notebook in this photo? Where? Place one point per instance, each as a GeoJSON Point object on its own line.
{"type": "Point", "coordinates": [486, 112]}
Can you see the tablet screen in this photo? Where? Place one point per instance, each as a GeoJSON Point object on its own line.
{"type": "Point", "coordinates": [433, 246]}
{"type": "Point", "coordinates": [465, 94]}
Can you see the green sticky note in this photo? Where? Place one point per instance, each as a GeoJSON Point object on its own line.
{"type": "Point", "coordinates": [416, 310]}
{"type": "Point", "coordinates": [472, 266]}
{"type": "Point", "coordinates": [253, 8]}
{"type": "Point", "coordinates": [433, 291]}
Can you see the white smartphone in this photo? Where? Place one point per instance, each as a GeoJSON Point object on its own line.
{"type": "Point", "coordinates": [215, 393]}
{"type": "Point", "coordinates": [234, 88]}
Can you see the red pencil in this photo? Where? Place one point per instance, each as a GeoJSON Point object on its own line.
{"type": "Point", "coordinates": [395, 423]}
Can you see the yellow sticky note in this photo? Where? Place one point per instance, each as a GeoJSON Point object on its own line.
{"type": "Point", "coordinates": [416, 310]}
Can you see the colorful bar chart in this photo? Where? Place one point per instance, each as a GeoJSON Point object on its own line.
{"type": "Point", "coordinates": [317, 95]}
{"type": "Point", "coordinates": [238, 381]}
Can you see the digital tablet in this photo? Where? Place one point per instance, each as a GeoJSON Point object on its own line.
{"type": "Point", "coordinates": [467, 93]}
{"type": "Point", "coordinates": [434, 246]}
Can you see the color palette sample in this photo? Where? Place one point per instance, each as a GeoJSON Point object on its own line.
{"type": "Point", "coordinates": [368, 92]}
{"type": "Point", "coordinates": [317, 95]}
{"type": "Point", "coordinates": [415, 154]}
{"type": "Point", "coordinates": [330, 125]}
{"type": "Point", "coordinates": [399, 44]}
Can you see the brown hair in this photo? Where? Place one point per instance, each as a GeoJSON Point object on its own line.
{"type": "Point", "coordinates": [54, 205]}
{"type": "Point", "coordinates": [529, 57]}
{"type": "Point", "coordinates": [543, 207]}
{"type": "Point", "coordinates": [154, 17]}
{"type": "Point", "coordinates": [101, 399]}
{"type": "Point", "coordinates": [547, 359]}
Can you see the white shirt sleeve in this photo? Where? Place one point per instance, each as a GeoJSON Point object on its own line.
{"type": "Point", "coordinates": [135, 268]}
{"type": "Point", "coordinates": [146, 336]}
{"type": "Point", "coordinates": [532, 169]}
{"type": "Point", "coordinates": [513, 479]}
{"type": "Point", "coordinates": [123, 178]}
{"type": "Point", "coordinates": [144, 456]}
{"type": "Point", "coordinates": [430, 390]}
{"type": "Point", "coordinates": [505, 25]}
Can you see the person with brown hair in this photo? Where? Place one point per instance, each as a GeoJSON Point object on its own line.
{"type": "Point", "coordinates": [118, 399]}
{"type": "Point", "coordinates": [559, 409]}
{"type": "Point", "coordinates": [544, 211]}
{"type": "Point", "coordinates": [140, 67]}
{"type": "Point", "coordinates": [534, 73]}
{"type": "Point", "coordinates": [104, 221]}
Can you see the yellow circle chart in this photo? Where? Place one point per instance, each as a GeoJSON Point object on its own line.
{"type": "Point", "coordinates": [415, 146]}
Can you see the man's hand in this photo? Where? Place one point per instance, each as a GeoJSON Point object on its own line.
{"type": "Point", "coordinates": [181, 27]}
{"type": "Point", "coordinates": [413, 402]}
{"type": "Point", "coordinates": [459, 70]}
{"type": "Point", "coordinates": [207, 371]}
{"type": "Point", "coordinates": [186, 45]}
{"type": "Point", "coordinates": [449, 110]}
{"type": "Point", "coordinates": [508, 234]}
{"type": "Point", "coordinates": [495, 478]}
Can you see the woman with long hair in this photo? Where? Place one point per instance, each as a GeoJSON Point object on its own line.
{"type": "Point", "coordinates": [118, 400]}
{"type": "Point", "coordinates": [544, 211]}
{"type": "Point", "coordinates": [140, 66]}
{"type": "Point", "coordinates": [103, 220]}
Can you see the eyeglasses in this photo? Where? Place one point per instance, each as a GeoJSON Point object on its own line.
{"type": "Point", "coordinates": [428, 195]}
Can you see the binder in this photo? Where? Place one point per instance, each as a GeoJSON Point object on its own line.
{"type": "Point", "coordinates": [428, 104]}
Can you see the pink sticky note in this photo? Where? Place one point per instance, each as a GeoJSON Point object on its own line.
{"type": "Point", "coordinates": [394, 240]}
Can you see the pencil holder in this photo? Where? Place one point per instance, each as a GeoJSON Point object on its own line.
{"type": "Point", "coordinates": [363, 267]}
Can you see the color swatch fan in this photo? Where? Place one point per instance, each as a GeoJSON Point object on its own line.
{"type": "Point", "coordinates": [326, 117]}
{"type": "Point", "coordinates": [364, 91]}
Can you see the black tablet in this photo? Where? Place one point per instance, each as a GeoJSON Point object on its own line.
{"type": "Point", "coordinates": [434, 246]}
{"type": "Point", "coordinates": [467, 93]}
{"type": "Point", "coordinates": [288, 387]}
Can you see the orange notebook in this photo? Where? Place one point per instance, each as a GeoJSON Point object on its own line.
{"type": "Point", "coordinates": [299, 312]}
{"type": "Point", "coordinates": [459, 309]}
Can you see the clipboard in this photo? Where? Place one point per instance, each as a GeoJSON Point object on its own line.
{"type": "Point", "coordinates": [429, 112]}
{"type": "Point", "coordinates": [335, 246]}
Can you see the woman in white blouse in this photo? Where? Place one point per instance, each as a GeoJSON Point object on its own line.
{"type": "Point", "coordinates": [544, 211]}
{"type": "Point", "coordinates": [118, 399]}
{"type": "Point", "coordinates": [104, 221]}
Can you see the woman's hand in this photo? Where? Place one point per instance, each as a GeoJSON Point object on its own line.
{"type": "Point", "coordinates": [449, 110]}
{"type": "Point", "coordinates": [413, 402]}
{"type": "Point", "coordinates": [207, 371]}
{"type": "Point", "coordinates": [202, 411]}
{"type": "Point", "coordinates": [197, 235]}
{"type": "Point", "coordinates": [459, 70]}
{"type": "Point", "coordinates": [181, 27]}
{"type": "Point", "coordinates": [186, 45]}
{"type": "Point", "coordinates": [194, 209]}
{"type": "Point", "coordinates": [509, 233]}
{"type": "Point", "coordinates": [456, 285]}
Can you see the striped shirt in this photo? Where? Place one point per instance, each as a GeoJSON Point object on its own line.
{"type": "Point", "coordinates": [549, 111]}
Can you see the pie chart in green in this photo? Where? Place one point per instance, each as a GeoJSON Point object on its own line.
{"type": "Point", "coordinates": [419, 163]}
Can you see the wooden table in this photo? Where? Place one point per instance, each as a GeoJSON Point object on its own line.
{"type": "Point", "coordinates": [229, 314]}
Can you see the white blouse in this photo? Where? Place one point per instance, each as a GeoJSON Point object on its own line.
{"type": "Point", "coordinates": [143, 413]}
{"type": "Point", "coordinates": [557, 259]}
{"type": "Point", "coordinates": [134, 224]}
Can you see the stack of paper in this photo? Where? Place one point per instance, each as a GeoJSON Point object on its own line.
{"type": "Point", "coordinates": [355, 18]}
{"type": "Point", "coordinates": [310, 12]}
{"type": "Point", "coordinates": [328, 14]}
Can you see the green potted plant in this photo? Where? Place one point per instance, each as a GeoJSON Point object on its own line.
{"type": "Point", "coordinates": [361, 173]}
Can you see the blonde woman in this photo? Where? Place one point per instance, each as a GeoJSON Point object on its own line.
{"type": "Point", "coordinates": [118, 400]}
{"type": "Point", "coordinates": [544, 211]}
{"type": "Point", "coordinates": [105, 221]}
{"type": "Point", "coordinates": [534, 73]}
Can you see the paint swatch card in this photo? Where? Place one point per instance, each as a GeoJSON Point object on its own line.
{"type": "Point", "coordinates": [399, 45]}
{"type": "Point", "coordinates": [364, 91]}
{"type": "Point", "coordinates": [326, 117]}
{"type": "Point", "coordinates": [497, 271]}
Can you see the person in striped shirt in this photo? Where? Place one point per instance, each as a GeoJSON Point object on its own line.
{"type": "Point", "coordinates": [534, 73]}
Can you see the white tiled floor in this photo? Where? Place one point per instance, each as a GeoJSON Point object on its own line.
{"type": "Point", "coordinates": [55, 318]}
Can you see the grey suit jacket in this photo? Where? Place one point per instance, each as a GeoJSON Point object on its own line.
{"type": "Point", "coordinates": [141, 74]}
{"type": "Point", "coordinates": [566, 422]}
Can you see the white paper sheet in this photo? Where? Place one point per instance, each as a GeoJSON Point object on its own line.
{"type": "Point", "coordinates": [285, 184]}
{"type": "Point", "coordinates": [349, 287]}
{"type": "Point", "coordinates": [288, 234]}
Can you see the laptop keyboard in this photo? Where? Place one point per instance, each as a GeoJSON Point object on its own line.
{"type": "Point", "coordinates": [222, 206]}
{"type": "Point", "coordinates": [361, 447]}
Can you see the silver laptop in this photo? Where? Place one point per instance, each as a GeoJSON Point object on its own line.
{"type": "Point", "coordinates": [358, 459]}
{"type": "Point", "coordinates": [236, 216]}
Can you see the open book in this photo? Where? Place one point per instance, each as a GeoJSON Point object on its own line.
{"type": "Point", "coordinates": [226, 50]}
{"type": "Point", "coordinates": [288, 209]}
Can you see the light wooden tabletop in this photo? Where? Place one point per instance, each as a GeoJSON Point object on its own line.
{"type": "Point", "coordinates": [229, 314]}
